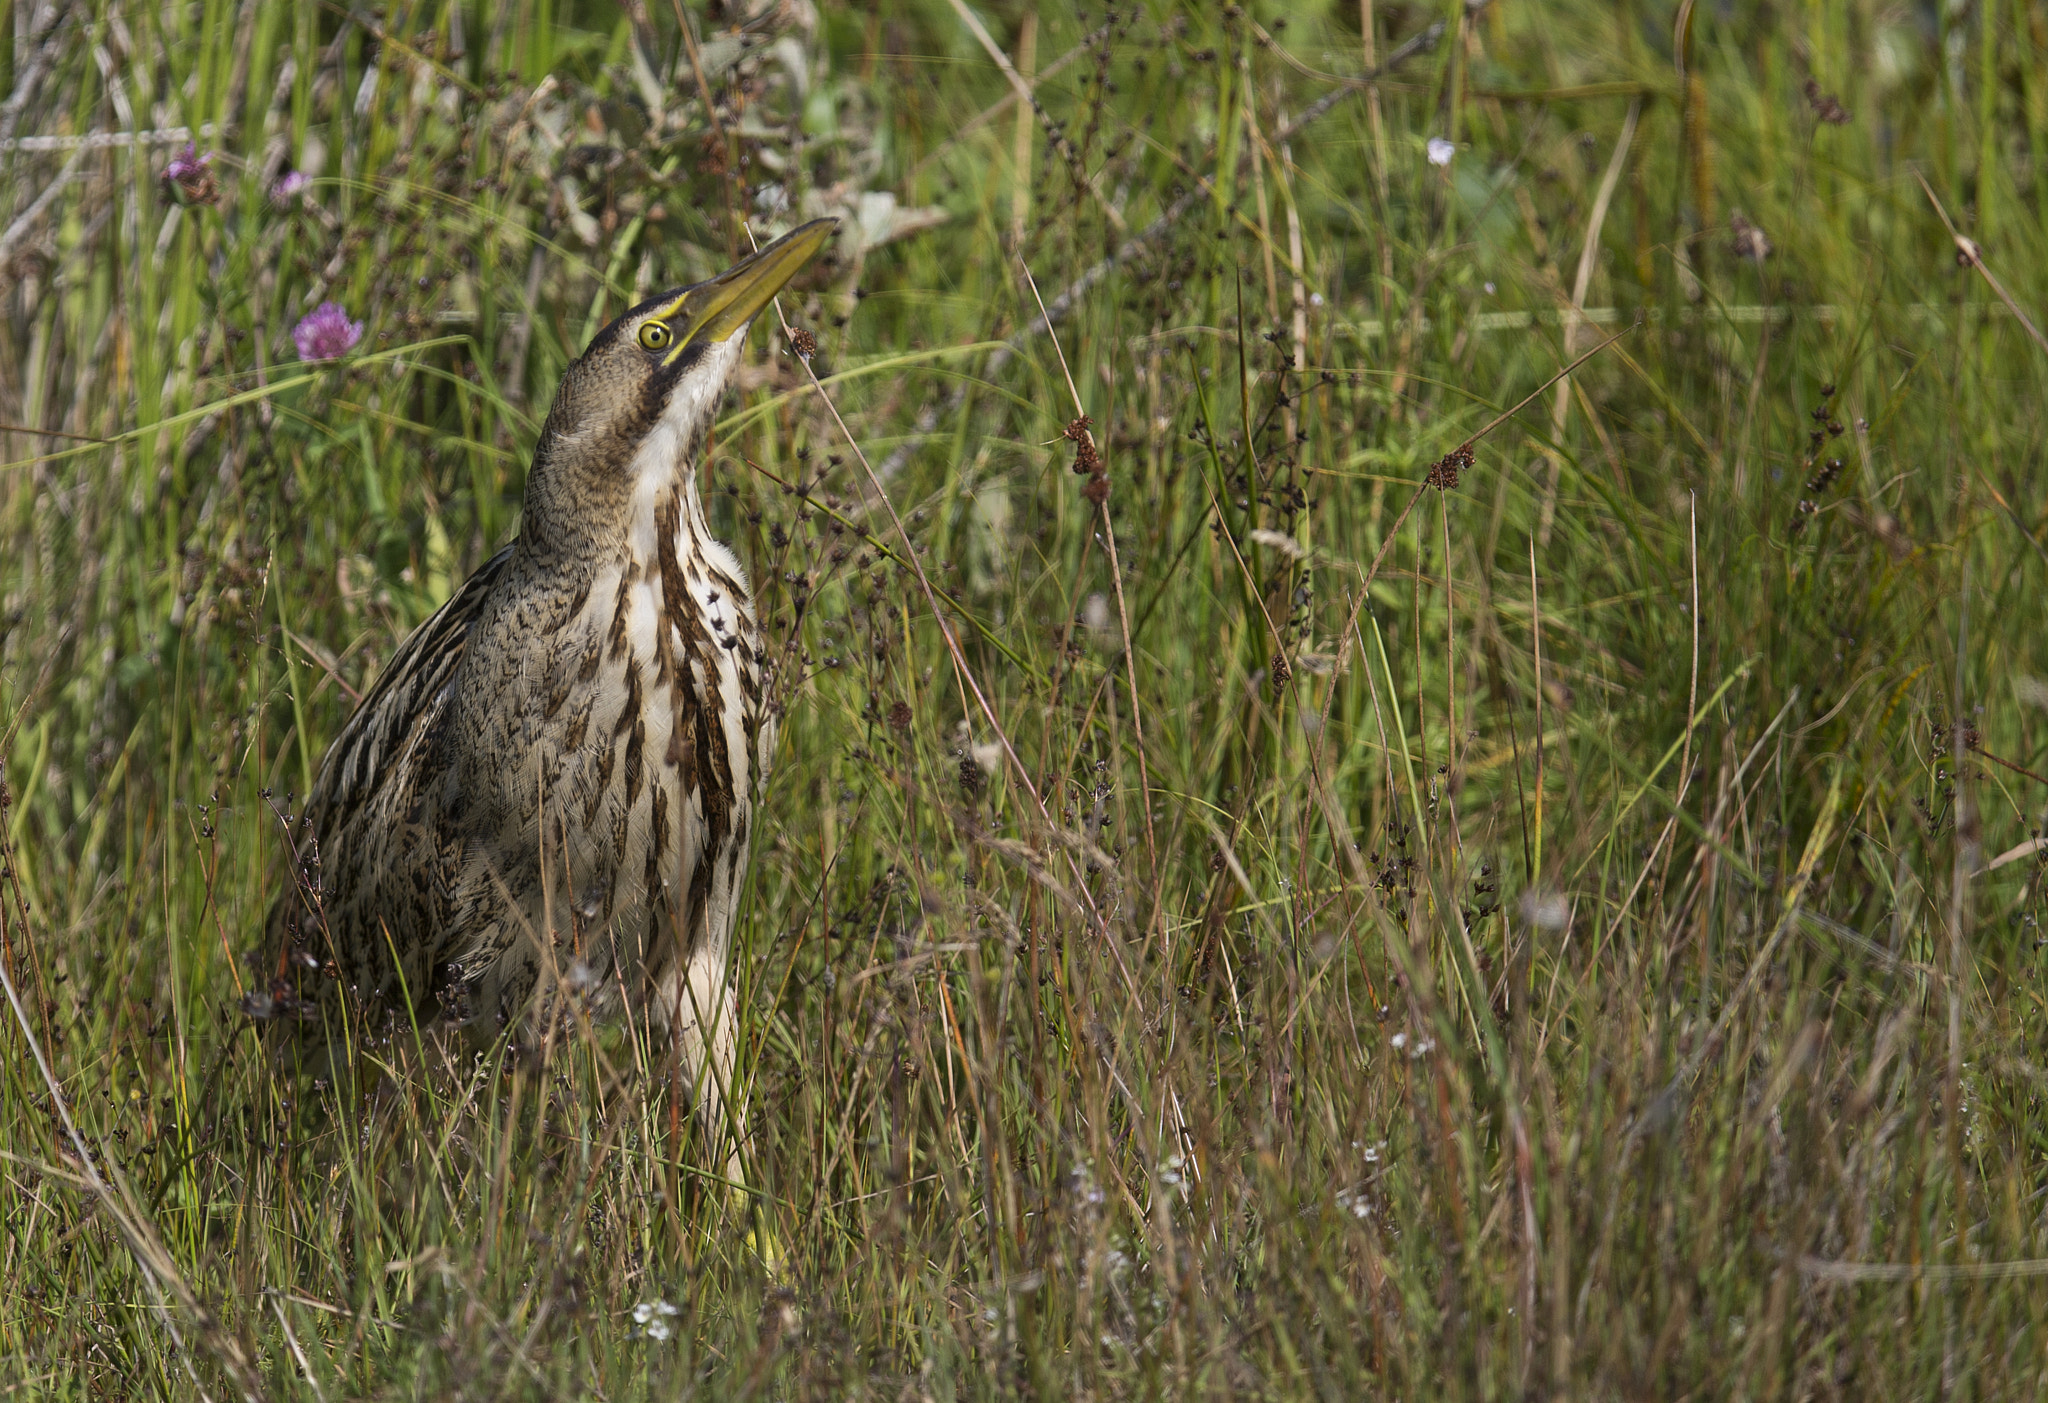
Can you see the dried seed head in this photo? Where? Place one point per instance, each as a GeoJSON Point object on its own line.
{"type": "Point", "coordinates": [803, 341]}
{"type": "Point", "coordinates": [1826, 106]}
{"type": "Point", "coordinates": [1443, 474]}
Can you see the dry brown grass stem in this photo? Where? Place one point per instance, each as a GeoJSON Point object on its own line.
{"type": "Point", "coordinates": [1021, 88]}
{"type": "Point", "coordinates": [1123, 613]}
{"type": "Point", "coordinates": [1971, 254]}
{"type": "Point", "coordinates": [963, 670]}
{"type": "Point", "coordinates": [1140, 243]}
{"type": "Point", "coordinates": [1394, 531]}
{"type": "Point", "coordinates": [158, 1268]}
{"type": "Point", "coordinates": [1588, 255]}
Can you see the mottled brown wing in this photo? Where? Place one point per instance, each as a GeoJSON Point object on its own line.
{"type": "Point", "coordinates": [363, 880]}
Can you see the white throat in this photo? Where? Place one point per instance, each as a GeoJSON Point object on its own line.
{"type": "Point", "coordinates": [661, 456]}
{"type": "Point", "coordinates": [662, 463]}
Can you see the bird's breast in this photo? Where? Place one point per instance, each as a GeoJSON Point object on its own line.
{"type": "Point", "coordinates": [608, 792]}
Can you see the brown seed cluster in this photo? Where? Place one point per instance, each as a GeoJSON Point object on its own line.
{"type": "Point", "coordinates": [804, 342]}
{"type": "Point", "coordinates": [1750, 242]}
{"type": "Point", "coordinates": [1821, 474]}
{"type": "Point", "coordinates": [1443, 473]}
{"type": "Point", "coordinates": [1088, 459]}
{"type": "Point", "coordinates": [1826, 106]}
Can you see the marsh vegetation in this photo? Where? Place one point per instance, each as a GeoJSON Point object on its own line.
{"type": "Point", "coordinates": [1282, 878]}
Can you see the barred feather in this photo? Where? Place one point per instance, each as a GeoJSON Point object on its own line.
{"type": "Point", "coordinates": [549, 791]}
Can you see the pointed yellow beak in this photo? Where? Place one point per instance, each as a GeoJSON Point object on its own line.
{"type": "Point", "coordinates": [714, 310]}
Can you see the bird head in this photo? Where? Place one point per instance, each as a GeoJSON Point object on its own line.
{"type": "Point", "coordinates": [634, 407]}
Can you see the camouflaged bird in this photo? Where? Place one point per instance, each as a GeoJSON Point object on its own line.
{"type": "Point", "coordinates": [551, 786]}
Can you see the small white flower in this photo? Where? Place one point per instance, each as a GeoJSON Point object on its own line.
{"type": "Point", "coordinates": [988, 758]}
{"type": "Point", "coordinates": [1315, 299]}
{"type": "Point", "coordinates": [1095, 613]}
{"type": "Point", "coordinates": [1354, 1202]}
{"type": "Point", "coordinates": [1546, 910]}
{"type": "Point", "coordinates": [1398, 1041]}
{"type": "Point", "coordinates": [1489, 289]}
{"type": "Point", "coordinates": [653, 1319]}
{"type": "Point", "coordinates": [1440, 151]}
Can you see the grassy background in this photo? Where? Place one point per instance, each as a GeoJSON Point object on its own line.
{"type": "Point", "coordinates": [1578, 964]}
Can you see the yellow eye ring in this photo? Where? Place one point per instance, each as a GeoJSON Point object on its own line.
{"type": "Point", "coordinates": [655, 336]}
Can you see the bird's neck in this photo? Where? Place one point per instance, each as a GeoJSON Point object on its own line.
{"type": "Point", "coordinates": [661, 519]}
{"type": "Point", "coordinates": [664, 508]}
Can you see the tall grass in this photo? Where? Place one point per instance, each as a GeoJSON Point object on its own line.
{"type": "Point", "coordinates": [1564, 930]}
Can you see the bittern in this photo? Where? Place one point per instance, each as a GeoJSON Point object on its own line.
{"type": "Point", "coordinates": [549, 790]}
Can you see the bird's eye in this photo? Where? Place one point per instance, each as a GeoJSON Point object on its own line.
{"type": "Point", "coordinates": [655, 336]}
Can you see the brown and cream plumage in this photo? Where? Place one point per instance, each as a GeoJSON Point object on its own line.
{"type": "Point", "coordinates": [551, 786]}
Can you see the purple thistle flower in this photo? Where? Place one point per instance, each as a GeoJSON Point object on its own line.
{"type": "Point", "coordinates": [189, 164]}
{"type": "Point", "coordinates": [289, 184]}
{"type": "Point", "coordinates": [326, 333]}
{"type": "Point", "coordinates": [188, 178]}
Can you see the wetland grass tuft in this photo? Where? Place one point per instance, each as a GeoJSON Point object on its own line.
{"type": "Point", "coordinates": [1275, 882]}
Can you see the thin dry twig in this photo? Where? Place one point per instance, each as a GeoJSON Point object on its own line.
{"type": "Point", "coordinates": [1123, 614]}
{"type": "Point", "coordinates": [1002, 104]}
{"type": "Point", "coordinates": [26, 220]}
{"type": "Point", "coordinates": [159, 1270]}
{"type": "Point", "coordinates": [101, 141]}
{"type": "Point", "coordinates": [1023, 92]}
{"type": "Point", "coordinates": [1137, 244]}
{"type": "Point", "coordinates": [1394, 531]}
{"type": "Point", "coordinates": [1588, 256]}
{"type": "Point", "coordinates": [959, 657]}
{"type": "Point", "coordinates": [1971, 254]}
{"type": "Point", "coordinates": [298, 1351]}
